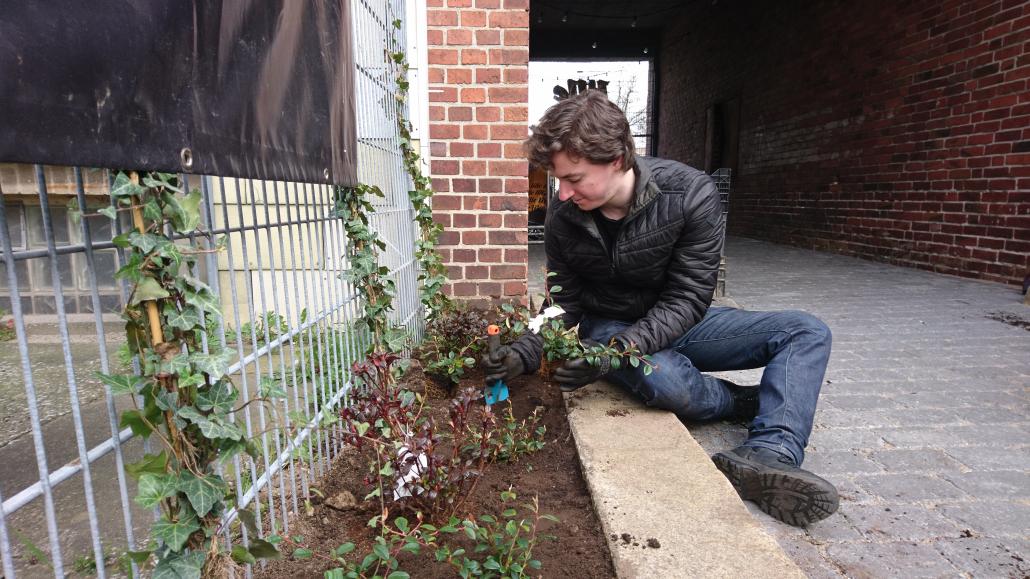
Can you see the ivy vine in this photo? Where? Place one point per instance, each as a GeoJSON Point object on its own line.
{"type": "Point", "coordinates": [184, 397]}
{"type": "Point", "coordinates": [433, 273]}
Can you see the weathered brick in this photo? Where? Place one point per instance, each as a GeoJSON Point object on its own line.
{"type": "Point", "coordinates": [509, 19]}
{"type": "Point", "coordinates": [516, 168]}
{"type": "Point", "coordinates": [473, 19]}
{"type": "Point", "coordinates": [506, 94]}
{"type": "Point", "coordinates": [488, 150]}
{"type": "Point", "coordinates": [443, 56]}
{"type": "Point", "coordinates": [442, 17]}
{"type": "Point", "coordinates": [475, 132]}
{"type": "Point", "coordinates": [488, 75]}
{"type": "Point", "coordinates": [488, 114]}
{"type": "Point", "coordinates": [516, 37]}
{"type": "Point", "coordinates": [459, 76]}
{"type": "Point", "coordinates": [488, 37]}
{"type": "Point", "coordinates": [473, 95]}
{"type": "Point", "coordinates": [514, 132]}
{"type": "Point", "coordinates": [473, 56]}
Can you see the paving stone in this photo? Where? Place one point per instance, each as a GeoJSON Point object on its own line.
{"type": "Point", "coordinates": [896, 559]}
{"type": "Point", "coordinates": [810, 559]}
{"type": "Point", "coordinates": [981, 458]}
{"type": "Point", "coordinates": [998, 519]}
{"type": "Point", "coordinates": [899, 522]}
{"type": "Point", "coordinates": [921, 383]}
{"type": "Point", "coordinates": [909, 487]}
{"type": "Point", "coordinates": [865, 402]}
{"type": "Point", "coordinates": [916, 460]}
{"type": "Point", "coordinates": [987, 557]}
{"type": "Point", "coordinates": [846, 461]}
{"type": "Point", "coordinates": [994, 484]}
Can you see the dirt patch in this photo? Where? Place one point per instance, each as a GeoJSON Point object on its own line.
{"type": "Point", "coordinates": [617, 412]}
{"type": "Point", "coordinates": [552, 474]}
{"type": "Point", "coordinates": [1010, 319]}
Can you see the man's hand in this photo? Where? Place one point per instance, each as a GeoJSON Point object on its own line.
{"type": "Point", "coordinates": [502, 364]}
{"type": "Point", "coordinates": [577, 373]}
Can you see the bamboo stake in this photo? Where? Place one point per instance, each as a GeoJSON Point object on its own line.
{"type": "Point", "coordinates": [156, 334]}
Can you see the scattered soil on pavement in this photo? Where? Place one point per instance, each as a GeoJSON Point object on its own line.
{"type": "Point", "coordinates": [552, 474]}
{"type": "Point", "coordinates": [1010, 319]}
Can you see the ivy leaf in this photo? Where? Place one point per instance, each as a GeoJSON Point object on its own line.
{"type": "Point", "coordinates": [180, 566]}
{"type": "Point", "coordinates": [262, 549]}
{"type": "Point", "coordinates": [120, 383]}
{"type": "Point", "coordinates": [134, 419]}
{"type": "Point", "coordinates": [218, 398]}
{"type": "Point", "coordinates": [203, 493]}
{"type": "Point", "coordinates": [248, 519]}
{"type": "Point", "coordinates": [155, 487]}
{"type": "Point", "coordinates": [214, 365]}
{"type": "Point", "coordinates": [175, 533]}
{"type": "Point", "coordinates": [271, 388]}
{"type": "Point", "coordinates": [150, 464]}
{"type": "Point", "coordinates": [145, 242]}
{"type": "Point", "coordinates": [204, 300]}
{"type": "Point", "coordinates": [184, 320]}
{"type": "Point", "coordinates": [241, 555]}
{"type": "Point", "coordinates": [148, 289]}
{"type": "Point", "coordinates": [109, 211]}
{"type": "Point", "coordinates": [124, 187]}
{"type": "Point", "coordinates": [190, 212]}
{"type": "Point", "coordinates": [210, 427]}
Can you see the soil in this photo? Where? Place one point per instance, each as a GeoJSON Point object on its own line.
{"type": "Point", "coordinates": [579, 548]}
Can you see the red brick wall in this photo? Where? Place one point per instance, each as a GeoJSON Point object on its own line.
{"type": "Point", "coordinates": [478, 117]}
{"type": "Point", "coordinates": [896, 131]}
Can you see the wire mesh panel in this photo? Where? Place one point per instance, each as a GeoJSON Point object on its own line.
{"type": "Point", "coordinates": [723, 178]}
{"type": "Point", "coordinates": [289, 316]}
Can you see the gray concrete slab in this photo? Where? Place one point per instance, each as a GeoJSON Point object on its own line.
{"type": "Point", "coordinates": [665, 508]}
{"type": "Point", "coordinates": [924, 418]}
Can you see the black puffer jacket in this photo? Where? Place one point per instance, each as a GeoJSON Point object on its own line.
{"type": "Point", "coordinates": [662, 273]}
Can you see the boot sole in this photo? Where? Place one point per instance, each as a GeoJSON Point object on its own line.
{"type": "Point", "coordinates": [796, 498]}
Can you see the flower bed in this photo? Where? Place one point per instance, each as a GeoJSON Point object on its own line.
{"type": "Point", "coordinates": [551, 474]}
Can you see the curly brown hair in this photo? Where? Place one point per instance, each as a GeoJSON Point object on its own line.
{"type": "Point", "coordinates": [587, 125]}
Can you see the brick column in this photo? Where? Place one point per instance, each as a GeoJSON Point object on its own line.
{"type": "Point", "coordinates": [478, 109]}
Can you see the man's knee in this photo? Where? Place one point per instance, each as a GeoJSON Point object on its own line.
{"type": "Point", "coordinates": [804, 323]}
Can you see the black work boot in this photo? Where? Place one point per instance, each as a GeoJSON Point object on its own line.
{"type": "Point", "coordinates": [745, 401]}
{"type": "Point", "coordinates": [781, 489]}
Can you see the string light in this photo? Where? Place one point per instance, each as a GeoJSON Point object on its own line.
{"type": "Point", "coordinates": [594, 45]}
{"type": "Point", "coordinates": [565, 17]}
{"type": "Point", "coordinates": [645, 50]}
{"type": "Point", "coordinates": [634, 23]}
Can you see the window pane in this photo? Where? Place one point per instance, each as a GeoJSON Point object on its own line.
{"type": "Point", "coordinates": [40, 268]}
{"type": "Point", "coordinates": [22, 269]}
{"type": "Point", "coordinates": [104, 262]}
{"type": "Point", "coordinates": [14, 223]}
{"type": "Point", "coordinates": [34, 222]}
{"type": "Point", "coordinates": [99, 228]}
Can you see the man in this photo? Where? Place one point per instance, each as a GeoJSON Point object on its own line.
{"type": "Point", "coordinates": [634, 244]}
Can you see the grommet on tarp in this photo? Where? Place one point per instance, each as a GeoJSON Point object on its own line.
{"type": "Point", "coordinates": [186, 159]}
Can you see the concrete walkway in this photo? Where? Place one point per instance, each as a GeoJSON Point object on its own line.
{"type": "Point", "coordinates": [924, 420]}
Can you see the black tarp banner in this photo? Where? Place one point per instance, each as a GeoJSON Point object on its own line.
{"type": "Point", "coordinates": [246, 88]}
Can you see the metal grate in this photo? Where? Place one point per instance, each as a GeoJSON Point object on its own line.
{"type": "Point", "coordinates": [723, 178]}
{"type": "Point", "coordinates": [287, 312]}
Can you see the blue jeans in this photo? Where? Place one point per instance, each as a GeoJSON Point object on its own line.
{"type": "Point", "coordinates": [794, 348]}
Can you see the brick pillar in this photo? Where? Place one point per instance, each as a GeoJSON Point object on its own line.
{"type": "Point", "coordinates": [478, 110]}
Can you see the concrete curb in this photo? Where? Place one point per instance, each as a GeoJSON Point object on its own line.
{"type": "Point", "coordinates": [665, 509]}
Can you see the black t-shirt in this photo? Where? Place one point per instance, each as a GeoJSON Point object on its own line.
{"type": "Point", "coordinates": [609, 229]}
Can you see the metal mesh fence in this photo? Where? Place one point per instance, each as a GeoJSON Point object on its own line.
{"type": "Point", "coordinates": [288, 314]}
{"type": "Point", "coordinates": [723, 180]}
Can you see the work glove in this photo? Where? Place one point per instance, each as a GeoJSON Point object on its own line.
{"type": "Point", "coordinates": [573, 374]}
{"type": "Point", "coordinates": [502, 364]}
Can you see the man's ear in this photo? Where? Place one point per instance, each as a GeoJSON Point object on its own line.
{"type": "Point", "coordinates": [617, 163]}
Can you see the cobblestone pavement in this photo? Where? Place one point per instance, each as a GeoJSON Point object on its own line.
{"type": "Point", "coordinates": [923, 422]}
